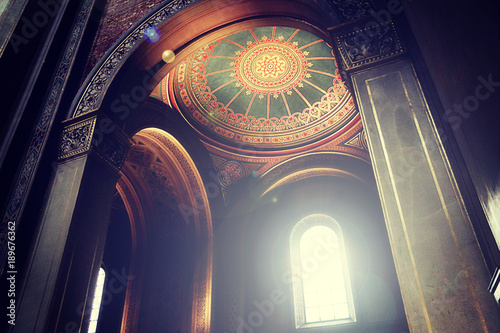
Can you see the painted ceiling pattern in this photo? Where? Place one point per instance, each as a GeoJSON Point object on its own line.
{"type": "Point", "coordinates": [267, 87]}
{"type": "Point", "coordinates": [232, 167]}
{"type": "Point", "coordinates": [352, 143]}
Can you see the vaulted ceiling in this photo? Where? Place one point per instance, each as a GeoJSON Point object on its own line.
{"type": "Point", "coordinates": [268, 88]}
{"type": "Point", "coordinates": [262, 97]}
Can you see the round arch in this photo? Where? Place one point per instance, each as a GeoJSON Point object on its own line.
{"type": "Point", "coordinates": [138, 64]}
{"type": "Point", "coordinates": [314, 164]}
{"type": "Point", "coordinates": [164, 195]}
{"type": "Point", "coordinates": [261, 229]}
{"type": "Point", "coordinates": [134, 66]}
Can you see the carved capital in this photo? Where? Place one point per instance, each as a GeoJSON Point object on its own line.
{"type": "Point", "coordinates": [76, 138]}
{"type": "Point", "coordinates": [370, 44]}
{"type": "Point", "coordinates": [96, 134]}
{"type": "Point", "coordinates": [350, 10]}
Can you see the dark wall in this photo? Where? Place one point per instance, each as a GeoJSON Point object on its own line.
{"type": "Point", "coordinates": [116, 262]}
{"type": "Point", "coordinates": [118, 17]}
{"type": "Point", "coordinates": [460, 46]}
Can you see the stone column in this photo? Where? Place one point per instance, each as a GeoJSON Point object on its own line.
{"type": "Point", "coordinates": [58, 287]}
{"type": "Point", "coordinates": [441, 271]}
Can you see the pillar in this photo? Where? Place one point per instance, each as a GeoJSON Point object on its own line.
{"type": "Point", "coordinates": [58, 288]}
{"type": "Point", "coordinates": [441, 271]}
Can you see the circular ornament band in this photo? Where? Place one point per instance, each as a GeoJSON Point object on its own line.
{"type": "Point", "coordinates": [267, 87]}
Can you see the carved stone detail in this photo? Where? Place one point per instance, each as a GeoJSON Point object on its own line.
{"type": "Point", "coordinates": [42, 129]}
{"type": "Point", "coordinates": [25, 177]}
{"type": "Point", "coordinates": [83, 137]}
{"type": "Point", "coordinates": [363, 46]}
{"type": "Point", "coordinates": [77, 138]}
{"type": "Point", "coordinates": [113, 150]}
{"type": "Point", "coordinates": [352, 9]}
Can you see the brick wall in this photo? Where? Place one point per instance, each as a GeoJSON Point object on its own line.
{"type": "Point", "coordinates": [118, 17]}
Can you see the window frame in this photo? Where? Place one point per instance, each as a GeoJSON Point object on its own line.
{"type": "Point", "coordinates": [296, 234]}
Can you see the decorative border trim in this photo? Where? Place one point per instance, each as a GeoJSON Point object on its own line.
{"type": "Point", "coordinates": [309, 173]}
{"type": "Point", "coordinates": [350, 10]}
{"type": "Point", "coordinates": [46, 119]}
{"type": "Point", "coordinates": [202, 290]}
{"type": "Point", "coordinates": [97, 84]}
{"type": "Point", "coordinates": [76, 139]}
{"type": "Point", "coordinates": [361, 46]}
{"type": "Point", "coordinates": [136, 214]}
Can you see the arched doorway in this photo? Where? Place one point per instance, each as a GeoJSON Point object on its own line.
{"type": "Point", "coordinates": [158, 178]}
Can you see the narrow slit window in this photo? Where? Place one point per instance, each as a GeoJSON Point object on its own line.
{"type": "Point", "coordinates": [96, 302]}
{"type": "Point", "coordinates": [321, 285]}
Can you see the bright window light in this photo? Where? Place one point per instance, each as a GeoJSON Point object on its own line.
{"type": "Point", "coordinates": [96, 303]}
{"type": "Point", "coordinates": [321, 285]}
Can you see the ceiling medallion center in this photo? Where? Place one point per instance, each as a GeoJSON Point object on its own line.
{"type": "Point", "coordinates": [270, 67]}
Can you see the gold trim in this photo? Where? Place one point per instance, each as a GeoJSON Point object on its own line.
{"type": "Point", "coordinates": [465, 269]}
{"type": "Point", "coordinates": [384, 208]}
{"type": "Point", "coordinates": [396, 197]}
{"type": "Point", "coordinates": [202, 282]}
{"type": "Point", "coordinates": [448, 168]}
{"type": "Point", "coordinates": [138, 227]}
{"type": "Point", "coordinates": [319, 152]}
{"type": "Point", "coordinates": [309, 173]}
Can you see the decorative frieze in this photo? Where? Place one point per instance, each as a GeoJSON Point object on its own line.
{"type": "Point", "coordinates": [350, 10]}
{"type": "Point", "coordinates": [374, 42]}
{"type": "Point", "coordinates": [95, 90]}
{"type": "Point", "coordinates": [113, 149]}
{"type": "Point", "coordinates": [76, 139]}
{"type": "Point", "coordinates": [97, 134]}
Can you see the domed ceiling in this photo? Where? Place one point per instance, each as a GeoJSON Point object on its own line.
{"type": "Point", "coordinates": [268, 87]}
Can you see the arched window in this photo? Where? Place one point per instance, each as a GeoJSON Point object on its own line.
{"type": "Point", "coordinates": [96, 303]}
{"type": "Point", "coordinates": [322, 293]}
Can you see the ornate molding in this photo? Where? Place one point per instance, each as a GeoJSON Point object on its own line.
{"type": "Point", "coordinates": [309, 173]}
{"type": "Point", "coordinates": [97, 134]}
{"type": "Point", "coordinates": [42, 129]}
{"type": "Point", "coordinates": [368, 45]}
{"type": "Point", "coordinates": [92, 96]}
{"type": "Point", "coordinates": [113, 149]}
{"type": "Point", "coordinates": [202, 292]}
{"type": "Point", "coordinates": [94, 92]}
{"type": "Point", "coordinates": [350, 10]}
{"type": "Point", "coordinates": [76, 139]}
{"type": "Point", "coordinates": [137, 219]}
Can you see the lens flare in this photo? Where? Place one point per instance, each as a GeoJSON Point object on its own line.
{"type": "Point", "coordinates": [152, 34]}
